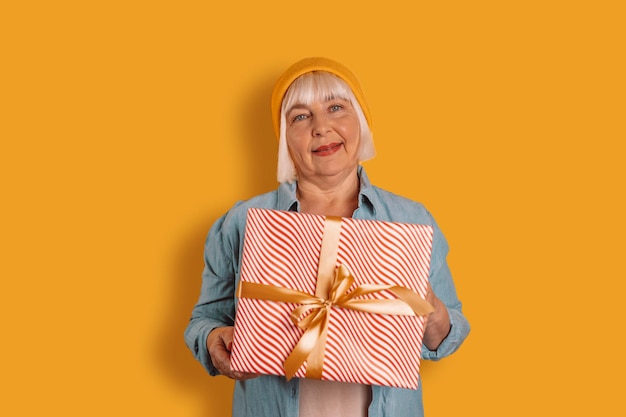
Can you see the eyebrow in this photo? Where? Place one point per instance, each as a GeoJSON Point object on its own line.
{"type": "Point", "coordinates": [297, 106]}
{"type": "Point", "coordinates": [304, 106]}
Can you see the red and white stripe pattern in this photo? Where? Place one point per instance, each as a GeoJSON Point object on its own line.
{"type": "Point", "coordinates": [282, 249]}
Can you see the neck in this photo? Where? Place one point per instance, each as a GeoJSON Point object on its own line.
{"type": "Point", "coordinates": [329, 197]}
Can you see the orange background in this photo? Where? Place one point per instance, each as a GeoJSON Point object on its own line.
{"type": "Point", "coordinates": [127, 128]}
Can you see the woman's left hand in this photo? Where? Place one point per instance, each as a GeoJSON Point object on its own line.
{"type": "Point", "coordinates": [437, 322]}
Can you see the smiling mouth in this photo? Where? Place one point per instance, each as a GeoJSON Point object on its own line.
{"type": "Point", "coordinates": [328, 148]}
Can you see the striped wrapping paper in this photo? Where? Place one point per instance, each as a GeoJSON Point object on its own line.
{"type": "Point", "coordinates": [283, 248]}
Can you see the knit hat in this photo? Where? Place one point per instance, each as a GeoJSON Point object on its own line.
{"type": "Point", "coordinates": [309, 65]}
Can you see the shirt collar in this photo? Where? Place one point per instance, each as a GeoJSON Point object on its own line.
{"type": "Point", "coordinates": [287, 197]}
{"type": "Point", "coordinates": [287, 194]}
{"type": "Point", "coordinates": [366, 195]}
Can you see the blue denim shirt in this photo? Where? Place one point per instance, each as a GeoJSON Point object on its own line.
{"type": "Point", "coordinates": [274, 396]}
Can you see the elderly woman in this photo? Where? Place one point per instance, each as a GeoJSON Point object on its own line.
{"type": "Point", "coordinates": [323, 124]}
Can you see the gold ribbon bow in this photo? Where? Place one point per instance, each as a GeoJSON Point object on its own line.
{"type": "Point", "coordinates": [332, 290]}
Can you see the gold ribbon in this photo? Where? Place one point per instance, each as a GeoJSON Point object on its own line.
{"type": "Point", "coordinates": [332, 290]}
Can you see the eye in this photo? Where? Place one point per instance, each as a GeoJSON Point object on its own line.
{"type": "Point", "coordinates": [299, 117]}
{"type": "Point", "coordinates": [335, 107]}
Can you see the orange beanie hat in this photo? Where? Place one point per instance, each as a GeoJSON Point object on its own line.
{"type": "Point", "coordinates": [309, 65]}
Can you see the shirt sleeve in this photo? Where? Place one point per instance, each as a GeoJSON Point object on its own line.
{"type": "Point", "coordinates": [216, 305]}
{"type": "Point", "coordinates": [441, 282]}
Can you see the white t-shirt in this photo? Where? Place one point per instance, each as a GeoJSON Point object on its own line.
{"type": "Point", "coordinates": [336, 399]}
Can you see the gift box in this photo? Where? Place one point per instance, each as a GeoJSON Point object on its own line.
{"type": "Point", "coordinates": [332, 298]}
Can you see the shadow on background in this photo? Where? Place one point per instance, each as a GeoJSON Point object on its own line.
{"type": "Point", "coordinates": [177, 361]}
{"type": "Point", "coordinates": [259, 162]}
{"type": "Point", "coordinates": [257, 136]}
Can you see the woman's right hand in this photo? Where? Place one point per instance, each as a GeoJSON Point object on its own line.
{"type": "Point", "coordinates": [219, 344]}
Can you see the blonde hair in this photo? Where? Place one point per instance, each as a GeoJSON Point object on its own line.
{"type": "Point", "coordinates": [310, 87]}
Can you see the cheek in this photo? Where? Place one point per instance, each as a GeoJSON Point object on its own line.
{"type": "Point", "coordinates": [295, 148]}
{"type": "Point", "coordinates": [352, 134]}
{"type": "Point", "coordinates": [294, 135]}
{"type": "Point", "coordinates": [351, 129]}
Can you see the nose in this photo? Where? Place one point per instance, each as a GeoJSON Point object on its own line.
{"type": "Point", "coordinates": [321, 125]}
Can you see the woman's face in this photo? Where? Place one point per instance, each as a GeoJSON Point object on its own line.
{"type": "Point", "coordinates": [323, 138]}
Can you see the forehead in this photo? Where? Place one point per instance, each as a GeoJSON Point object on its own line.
{"type": "Point", "coordinates": [316, 86]}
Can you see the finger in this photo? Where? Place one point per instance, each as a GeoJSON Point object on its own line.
{"type": "Point", "coordinates": [430, 295]}
{"type": "Point", "coordinates": [227, 338]}
{"type": "Point", "coordinates": [220, 357]}
{"type": "Point", "coordinates": [221, 360]}
{"type": "Point", "coordinates": [220, 347]}
{"type": "Point", "coordinates": [242, 376]}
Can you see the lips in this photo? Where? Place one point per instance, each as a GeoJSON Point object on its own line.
{"type": "Point", "coordinates": [328, 149]}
